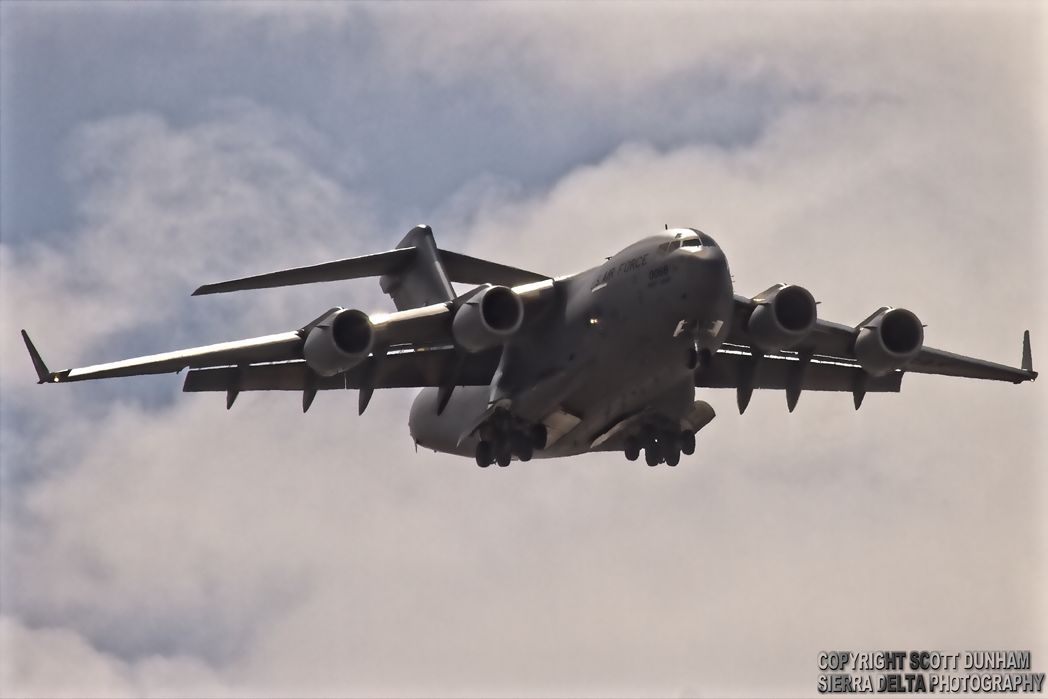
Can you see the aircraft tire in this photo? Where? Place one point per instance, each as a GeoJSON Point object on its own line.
{"type": "Point", "coordinates": [522, 447]}
{"type": "Point", "coordinates": [673, 457]}
{"type": "Point", "coordinates": [687, 442]}
{"type": "Point", "coordinates": [503, 455]}
{"type": "Point", "coordinates": [484, 454]}
{"type": "Point", "coordinates": [538, 435]}
{"type": "Point", "coordinates": [632, 448]}
{"type": "Point", "coordinates": [652, 455]}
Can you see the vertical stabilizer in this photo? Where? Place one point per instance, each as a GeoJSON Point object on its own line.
{"type": "Point", "coordinates": [424, 280]}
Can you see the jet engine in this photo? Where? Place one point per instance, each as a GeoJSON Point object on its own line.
{"type": "Point", "coordinates": [488, 319]}
{"type": "Point", "coordinates": [783, 318]}
{"type": "Point", "coordinates": [339, 342]}
{"type": "Point", "coordinates": [888, 341]}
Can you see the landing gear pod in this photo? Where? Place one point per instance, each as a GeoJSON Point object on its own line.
{"type": "Point", "coordinates": [888, 341]}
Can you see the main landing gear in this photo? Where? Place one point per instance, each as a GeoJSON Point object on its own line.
{"type": "Point", "coordinates": [499, 443]}
{"type": "Point", "coordinates": [660, 446]}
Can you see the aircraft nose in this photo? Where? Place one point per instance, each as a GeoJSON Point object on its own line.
{"type": "Point", "coordinates": [710, 259]}
{"type": "Point", "coordinates": [708, 269]}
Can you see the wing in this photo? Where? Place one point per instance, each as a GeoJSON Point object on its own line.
{"type": "Point", "coordinates": [825, 360]}
{"type": "Point", "coordinates": [269, 348]}
{"type": "Point", "coordinates": [418, 351]}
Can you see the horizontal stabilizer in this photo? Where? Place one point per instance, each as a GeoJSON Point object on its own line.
{"type": "Point", "coordinates": [389, 262]}
{"type": "Point", "coordinates": [473, 270]}
{"type": "Point", "coordinates": [459, 268]}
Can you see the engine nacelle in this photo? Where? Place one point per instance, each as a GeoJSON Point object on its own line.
{"type": "Point", "coordinates": [488, 319]}
{"type": "Point", "coordinates": [339, 342]}
{"type": "Point", "coordinates": [783, 318]}
{"type": "Point", "coordinates": [889, 341]}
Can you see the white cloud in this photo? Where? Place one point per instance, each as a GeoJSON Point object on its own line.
{"type": "Point", "coordinates": [180, 549]}
{"type": "Point", "coordinates": [55, 662]}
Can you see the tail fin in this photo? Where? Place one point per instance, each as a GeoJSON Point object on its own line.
{"type": "Point", "coordinates": [423, 281]}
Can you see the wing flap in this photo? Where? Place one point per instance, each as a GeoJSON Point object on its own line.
{"type": "Point", "coordinates": [407, 369]}
{"type": "Point", "coordinates": [730, 367]}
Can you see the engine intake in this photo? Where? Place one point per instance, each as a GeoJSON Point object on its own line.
{"type": "Point", "coordinates": [889, 341]}
{"type": "Point", "coordinates": [488, 319]}
{"type": "Point", "coordinates": [339, 342]}
{"type": "Point", "coordinates": [784, 317]}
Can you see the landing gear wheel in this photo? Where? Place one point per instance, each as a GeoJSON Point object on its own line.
{"type": "Point", "coordinates": [687, 442]}
{"type": "Point", "coordinates": [485, 454]}
{"type": "Point", "coordinates": [503, 455]}
{"type": "Point", "coordinates": [652, 455]}
{"type": "Point", "coordinates": [521, 446]}
{"type": "Point", "coordinates": [538, 436]}
{"type": "Point", "coordinates": [632, 448]}
{"type": "Point", "coordinates": [670, 447]}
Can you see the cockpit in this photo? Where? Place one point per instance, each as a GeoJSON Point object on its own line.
{"type": "Point", "coordinates": [693, 239]}
{"type": "Point", "coordinates": [700, 240]}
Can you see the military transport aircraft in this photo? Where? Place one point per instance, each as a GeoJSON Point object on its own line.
{"type": "Point", "coordinates": [525, 365]}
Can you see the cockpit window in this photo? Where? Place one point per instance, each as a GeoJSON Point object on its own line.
{"type": "Point", "coordinates": [700, 240]}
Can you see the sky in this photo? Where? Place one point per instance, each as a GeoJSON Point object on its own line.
{"type": "Point", "coordinates": [154, 544]}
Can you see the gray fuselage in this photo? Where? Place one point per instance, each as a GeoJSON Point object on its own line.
{"type": "Point", "coordinates": [618, 339]}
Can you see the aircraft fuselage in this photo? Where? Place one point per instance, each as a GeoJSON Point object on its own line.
{"type": "Point", "coordinates": [625, 339]}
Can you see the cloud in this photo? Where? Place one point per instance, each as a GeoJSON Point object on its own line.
{"type": "Point", "coordinates": [60, 663]}
{"type": "Point", "coordinates": [169, 547]}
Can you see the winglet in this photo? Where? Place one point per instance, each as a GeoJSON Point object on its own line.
{"type": "Point", "coordinates": [1027, 364]}
{"type": "Point", "coordinates": [42, 372]}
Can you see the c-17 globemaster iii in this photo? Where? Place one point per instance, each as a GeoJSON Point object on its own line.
{"type": "Point", "coordinates": [524, 365]}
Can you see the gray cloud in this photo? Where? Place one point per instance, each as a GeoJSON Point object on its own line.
{"type": "Point", "coordinates": [155, 546]}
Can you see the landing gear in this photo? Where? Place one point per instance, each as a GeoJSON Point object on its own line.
{"type": "Point", "coordinates": [485, 454]}
{"type": "Point", "coordinates": [538, 435]}
{"type": "Point", "coordinates": [661, 444]}
{"type": "Point", "coordinates": [632, 448]}
{"type": "Point", "coordinates": [521, 445]}
{"type": "Point", "coordinates": [670, 448]}
{"type": "Point", "coordinates": [687, 442]}
{"type": "Point", "coordinates": [504, 437]}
